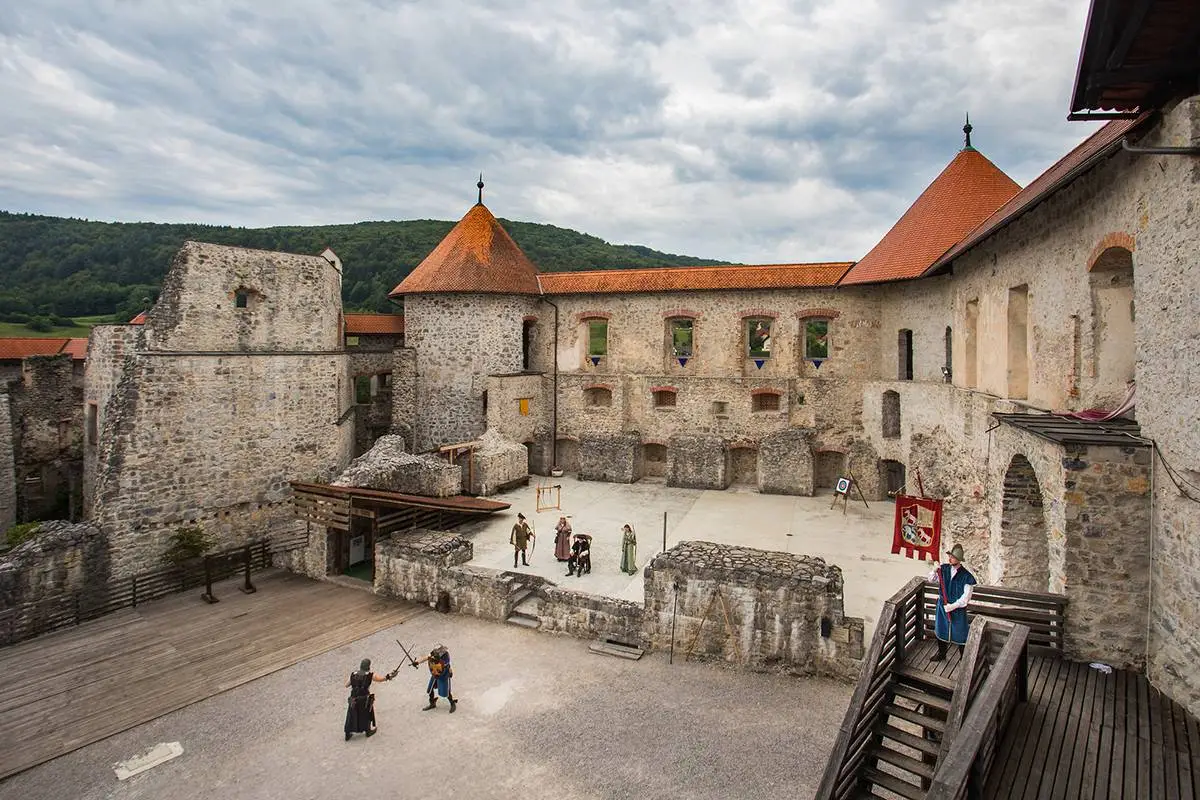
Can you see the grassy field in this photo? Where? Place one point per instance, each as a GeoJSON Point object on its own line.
{"type": "Point", "coordinates": [82, 327]}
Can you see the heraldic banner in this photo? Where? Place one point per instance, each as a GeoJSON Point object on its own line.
{"type": "Point", "coordinates": [918, 527]}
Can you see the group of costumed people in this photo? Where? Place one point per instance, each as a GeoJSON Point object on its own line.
{"type": "Point", "coordinates": [573, 548]}
{"type": "Point", "coordinates": [360, 711]}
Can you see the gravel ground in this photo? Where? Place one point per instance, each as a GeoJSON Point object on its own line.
{"type": "Point", "coordinates": [538, 716]}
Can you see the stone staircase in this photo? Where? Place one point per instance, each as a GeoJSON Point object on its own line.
{"type": "Point", "coordinates": [524, 604]}
{"type": "Point", "coordinates": [903, 758]}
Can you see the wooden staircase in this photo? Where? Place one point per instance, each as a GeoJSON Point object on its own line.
{"type": "Point", "coordinates": [903, 757]}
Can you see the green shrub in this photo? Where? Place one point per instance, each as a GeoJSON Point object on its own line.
{"type": "Point", "coordinates": [40, 324]}
{"type": "Point", "coordinates": [18, 534]}
{"type": "Point", "coordinates": [186, 544]}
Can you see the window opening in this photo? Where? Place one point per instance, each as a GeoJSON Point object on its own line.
{"type": "Point", "coordinates": [597, 396]}
{"type": "Point", "coordinates": [523, 406]}
{"type": "Point", "coordinates": [904, 345]}
{"type": "Point", "coordinates": [597, 340]}
{"type": "Point", "coordinates": [527, 345]}
{"type": "Point", "coordinates": [681, 333]}
{"type": "Point", "coordinates": [767, 401]}
{"type": "Point", "coordinates": [93, 425]}
{"type": "Point", "coordinates": [891, 415]}
{"type": "Point", "coordinates": [947, 366]}
{"type": "Point", "coordinates": [758, 340]}
{"type": "Point", "coordinates": [816, 341]}
{"type": "Point", "coordinates": [664, 398]}
{"type": "Point", "coordinates": [362, 389]}
{"type": "Point", "coordinates": [351, 341]}
{"type": "Point", "coordinates": [242, 300]}
{"type": "Point", "coordinates": [720, 408]}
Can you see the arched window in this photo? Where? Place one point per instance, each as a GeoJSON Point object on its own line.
{"type": "Point", "coordinates": [597, 396]}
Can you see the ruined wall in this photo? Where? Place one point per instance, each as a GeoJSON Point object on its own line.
{"type": "Point", "coordinates": [785, 463]}
{"type": "Point", "coordinates": [698, 462]}
{"type": "Point", "coordinates": [776, 602]}
{"type": "Point", "coordinates": [372, 358]}
{"type": "Point", "coordinates": [8, 475]}
{"type": "Point", "coordinates": [590, 616]}
{"type": "Point", "coordinates": [612, 457]}
{"type": "Point", "coordinates": [47, 420]}
{"type": "Point", "coordinates": [507, 415]}
{"type": "Point", "coordinates": [411, 566]}
{"type": "Point", "coordinates": [387, 467]}
{"type": "Point", "coordinates": [460, 340]}
{"type": "Point", "coordinates": [46, 573]}
{"type": "Point", "coordinates": [212, 437]}
{"type": "Point", "coordinates": [404, 395]}
{"type": "Point", "coordinates": [497, 463]}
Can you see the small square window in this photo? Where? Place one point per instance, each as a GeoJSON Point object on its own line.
{"type": "Point", "coordinates": [385, 380]}
{"type": "Point", "coordinates": [720, 408]}
{"type": "Point", "coordinates": [241, 299]}
{"type": "Point", "coordinates": [598, 337]}
{"type": "Point", "coordinates": [597, 396]}
{"type": "Point", "coordinates": [351, 341]}
{"type": "Point", "coordinates": [768, 401]}
{"type": "Point", "coordinates": [816, 339]}
{"type": "Point", "coordinates": [523, 406]}
{"type": "Point", "coordinates": [664, 398]}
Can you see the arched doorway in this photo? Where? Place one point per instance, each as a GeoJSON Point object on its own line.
{"type": "Point", "coordinates": [1024, 547]}
{"type": "Point", "coordinates": [654, 460]}
{"type": "Point", "coordinates": [891, 477]}
{"type": "Point", "coordinates": [1111, 279]}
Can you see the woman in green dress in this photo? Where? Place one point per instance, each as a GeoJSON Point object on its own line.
{"type": "Point", "coordinates": [629, 551]}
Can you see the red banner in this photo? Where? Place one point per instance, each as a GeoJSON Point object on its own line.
{"type": "Point", "coordinates": [918, 527]}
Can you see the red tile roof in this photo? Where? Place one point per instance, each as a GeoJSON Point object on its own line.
{"type": "Point", "coordinates": [76, 349]}
{"type": "Point", "coordinates": [477, 255]}
{"type": "Point", "coordinates": [967, 191]}
{"type": "Point", "coordinates": [360, 324]}
{"type": "Point", "coordinates": [22, 347]}
{"type": "Point", "coordinates": [140, 319]}
{"type": "Point", "coordinates": [1096, 147]}
{"type": "Point", "coordinates": [680, 279]}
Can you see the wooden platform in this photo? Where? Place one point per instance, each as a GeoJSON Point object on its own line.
{"type": "Point", "coordinates": [65, 690]}
{"type": "Point", "coordinates": [1084, 734]}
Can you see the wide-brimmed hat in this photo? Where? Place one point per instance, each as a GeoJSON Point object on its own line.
{"type": "Point", "coordinates": [957, 552]}
{"type": "Point", "coordinates": [520, 516]}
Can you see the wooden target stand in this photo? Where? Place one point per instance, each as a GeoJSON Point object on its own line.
{"type": "Point", "coordinates": [549, 497]}
{"type": "Point", "coordinates": [845, 484]}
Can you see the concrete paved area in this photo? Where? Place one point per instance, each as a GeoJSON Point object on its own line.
{"type": "Point", "coordinates": [538, 717]}
{"type": "Point", "coordinates": [858, 541]}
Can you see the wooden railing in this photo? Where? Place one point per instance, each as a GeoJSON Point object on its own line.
{"type": "Point", "coordinates": [71, 608]}
{"type": "Point", "coordinates": [899, 628]}
{"type": "Point", "coordinates": [1043, 614]}
{"type": "Point", "coordinates": [963, 768]}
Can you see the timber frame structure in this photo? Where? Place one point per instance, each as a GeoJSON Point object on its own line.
{"type": "Point", "coordinates": [333, 507]}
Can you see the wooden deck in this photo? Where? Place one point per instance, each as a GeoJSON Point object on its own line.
{"type": "Point", "coordinates": [1084, 734]}
{"type": "Point", "coordinates": [65, 690]}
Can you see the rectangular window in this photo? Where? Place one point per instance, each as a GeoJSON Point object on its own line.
{"type": "Point", "coordinates": [93, 424]}
{"type": "Point", "coordinates": [758, 338]}
{"type": "Point", "coordinates": [664, 398]}
{"type": "Point", "coordinates": [720, 408]}
{"type": "Point", "coordinates": [681, 338]}
{"type": "Point", "coordinates": [904, 353]}
{"type": "Point", "coordinates": [816, 339]}
{"type": "Point", "coordinates": [385, 380]}
{"type": "Point", "coordinates": [765, 402]}
{"type": "Point", "coordinates": [523, 406]}
{"type": "Point", "coordinates": [351, 341]}
{"type": "Point", "coordinates": [362, 389]}
{"type": "Point", "coordinates": [598, 337]}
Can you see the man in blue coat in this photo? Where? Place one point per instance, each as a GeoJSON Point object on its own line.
{"type": "Point", "coordinates": [954, 592]}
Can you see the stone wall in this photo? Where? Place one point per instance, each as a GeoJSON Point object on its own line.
{"type": "Point", "coordinates": [590, 616]}
{"type": "Point", "coordinates": [460, 340]}
{"type": "Point", "coordinates": [47, 423]}
{"type": "Point", "coordinates": [785, 463]}
{"type": "Point", "coordinates": [411, 565]}
{"type": "Point", "coordinates": [372, 358]}
{"type": "Point", "coordinates": [8, 475]}
{"type": "Point", "coordinates": [776, 603]}
{"type": "Point", "coordinates": [45, 572]}
{"type": "Point", "coordinates": [387, 467]}
{"type": "Point", "coordinates": [610, 457]}
{"type": "Point", "coordinates": [404, 395]}
{"type": "Point", "coordinates": [497, 463]}
{"type": "Point", "coordinates": [698, 462]}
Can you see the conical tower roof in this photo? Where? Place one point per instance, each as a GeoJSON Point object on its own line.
{"type": "Point", "coordinates": [477, 255]}
{"type": "Point", "coordinates": [966, 193]}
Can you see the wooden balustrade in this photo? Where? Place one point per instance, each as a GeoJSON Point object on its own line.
{"type": "Point", "coordinates": [1044, 614]}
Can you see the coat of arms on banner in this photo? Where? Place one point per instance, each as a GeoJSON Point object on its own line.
{"type": "Point", "coordinates": [918, 527]}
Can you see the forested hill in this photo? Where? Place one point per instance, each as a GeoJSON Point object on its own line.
{"type": "Point", "coordinates": [71, 267]}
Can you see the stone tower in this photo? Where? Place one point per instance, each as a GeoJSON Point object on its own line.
{"type": "Point", "coordinates": [465, 309]}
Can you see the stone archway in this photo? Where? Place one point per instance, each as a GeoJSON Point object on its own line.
{"type": "Point", "coordinates": [1024, 545]}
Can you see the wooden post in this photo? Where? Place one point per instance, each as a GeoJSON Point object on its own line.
{"type": "Point", "coordinates": [248, 588]}
{"type": "Point", "coordinates": [208, 596]}
{"type": "Point", "coordinates": [664, 531]}
{"type": "Point", "coordinates": [1023, 675]}
{"type": "Point", "coordinates": [134, 581]}
{"type": "Point", "coordinates": [898, 621]}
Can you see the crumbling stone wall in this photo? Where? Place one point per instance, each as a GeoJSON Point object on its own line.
{"type": "Point", "coordinates": [459, 340]}
{"type": "Point", "coordinates": [497, 463]}
{"type": "Point", "coordinates": [590, 616]}
{"type": "Point", "coordinates": [785, 463]}
{"type": "Point", "coordinates": [62, 562]}
{"type": "Point", "coordinates": [372, 357]}
{"type": "Point", "coordinates": [8, 475]}
{"type": "Point", "coordinates": [47, 426]}
{"type": "Point", "coordinates": [698, 462]}
{"type": "Point", "coordinates": [411, 565]}
{"type": "Point", "coordinates": [404, 395]}
{"type": "Point", "coordinates": [776, 604]}
{"type": "Point", "coordinates": [213, 436]}
{"type": "Point", "coordinates": [610, 457]}
{"type": "Point", "coordinates": [386, 466]}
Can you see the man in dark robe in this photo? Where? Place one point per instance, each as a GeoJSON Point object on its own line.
{"type": "Point", "coordinates": [581, 555]}
{"type": "Point", "coordinates": [360, 714]}
{"type": "Point", "coordinates": [954, 593]}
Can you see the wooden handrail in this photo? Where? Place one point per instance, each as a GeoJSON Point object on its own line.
{"type": "Point", "coordinates": [891, 627]}
{"type": "Point", "coordinates": [1044, 614]}
{"type": "Point", "coordinates": [955, 765]}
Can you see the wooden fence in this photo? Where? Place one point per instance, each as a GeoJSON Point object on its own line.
{"type": "Point", "coordinates": [71, 608]}
{"type": "Point", "coordinates": [1044, 614]}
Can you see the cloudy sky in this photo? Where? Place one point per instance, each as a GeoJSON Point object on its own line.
{"type": "Point", "coordinates": [755, 131]}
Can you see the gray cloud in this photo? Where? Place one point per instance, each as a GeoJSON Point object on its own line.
{"type": "Point", "coordinates": [761, 130]}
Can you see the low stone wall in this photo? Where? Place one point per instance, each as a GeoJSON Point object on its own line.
{"type": "Point", "coordinates": [498, 462]}
{"type": "Point", "coordinates": [614, 457]}
{"type": "Point", "coordinates": [785, 462]}
{"type": "Point", "coordinates": [775, 602]}
{"type": "Point", "coordinates": [61, 560]}
{"type": "Point", "coordinates": [698, 462]}
{"type": "Point", "coordinates": [387, 466]}
{"type": "Point", "coordinates": [410, 565]}
{"type": "Point", "coordinates": [590, 616]}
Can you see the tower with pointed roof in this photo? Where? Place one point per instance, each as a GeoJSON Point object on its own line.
{"type": "Point", "coordinates": [468, 310]}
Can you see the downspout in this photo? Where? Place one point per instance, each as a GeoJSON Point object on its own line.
{"type": "Point", "coordinates": [554, 385]}
{"type": "Point", "coordinates": [1159, 151]}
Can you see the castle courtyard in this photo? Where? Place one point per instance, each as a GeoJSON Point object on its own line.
{"type": "Point", "coordinates": [537, 714]}
{"type": "Point", "coordinates": [858, 539]}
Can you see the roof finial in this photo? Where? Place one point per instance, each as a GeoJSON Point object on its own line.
{"type": "Point", "coordinates": [967, 131]}
{"type": "Point", "coordinates": [480, 185]}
